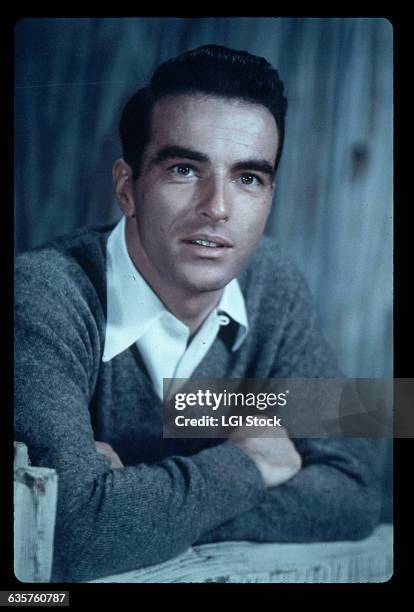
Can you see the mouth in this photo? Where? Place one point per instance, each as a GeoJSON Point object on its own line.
{"type": "Point", "coordinates": [208, 242]}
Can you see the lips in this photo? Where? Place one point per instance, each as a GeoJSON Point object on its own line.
{"type": "Point", "coordinates": [208, 241]}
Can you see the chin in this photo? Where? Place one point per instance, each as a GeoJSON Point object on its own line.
{"type": "Point", "coordinates": [204, 284]}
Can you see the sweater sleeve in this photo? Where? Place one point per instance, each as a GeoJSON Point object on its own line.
{"type": "Point", "coordinates": [108, 520]}
{"type": "Point", "coordinates": [337, 495]}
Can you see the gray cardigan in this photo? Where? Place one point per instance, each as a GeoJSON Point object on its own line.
{"type": "Point", "coordinates": [173, 492]}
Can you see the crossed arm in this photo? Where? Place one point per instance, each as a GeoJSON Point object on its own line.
{"type": "Point", "coordinates": [276, 458]}
{"type": "Point", "coordinates": [316, 490]}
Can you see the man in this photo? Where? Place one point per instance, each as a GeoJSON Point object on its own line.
{"type": "Point", "coordinates": [183, 286]}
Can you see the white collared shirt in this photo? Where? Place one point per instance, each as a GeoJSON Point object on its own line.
{"type": "Point", "coordinates": [136, 314]}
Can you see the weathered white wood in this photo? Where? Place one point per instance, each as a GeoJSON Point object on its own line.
{"type": "Point", "coordinates": [369, 560]}
{"type": "Point", "coordinates": [21, 456]}
{"type": "Point", "coordinates": [35, 495]}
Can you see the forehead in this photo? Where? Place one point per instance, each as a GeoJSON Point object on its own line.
{"type": "Point", "coordinates": [218, 127]}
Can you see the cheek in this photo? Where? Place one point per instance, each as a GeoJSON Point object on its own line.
{"type": "Point", "coordinates": [177, 210]}
{"type": "Point", "coordinates": [169, 203]}
{"type": "Point", "coordinates": [157, 222]}
{"type": "Point", "coordinates": [253, 219]}
{"type": "Point", "coordinates": [151, 212]}
{"type": "Point", "coordinates": [176, 200]}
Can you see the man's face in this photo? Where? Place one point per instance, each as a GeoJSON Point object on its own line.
{"type": "Point", "coordinates": [204, 192]}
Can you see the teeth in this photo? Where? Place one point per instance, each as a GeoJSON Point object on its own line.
{"type": "Point", "coordinates": [206, 243]}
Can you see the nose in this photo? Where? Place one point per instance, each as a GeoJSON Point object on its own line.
{"type": "Point", "coordinates": [213, 202]}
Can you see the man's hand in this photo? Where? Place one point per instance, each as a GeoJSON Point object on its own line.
{"type": "Point", "coordinates": [276, 458]}
{"type": "Point", "coordinates": [106, 449]}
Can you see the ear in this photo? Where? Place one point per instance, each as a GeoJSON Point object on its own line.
{"type": "Point", "coordinates": [123, 184]}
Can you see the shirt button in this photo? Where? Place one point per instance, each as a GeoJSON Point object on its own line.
{"type": "Point", "coordinates": [223, 319]}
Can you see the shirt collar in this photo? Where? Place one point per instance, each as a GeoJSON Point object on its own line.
{"type": "Point", "coordinates": [232, 304]}
{"type": "Point", "coordinates": [132, 305]}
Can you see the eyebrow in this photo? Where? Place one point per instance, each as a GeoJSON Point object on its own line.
{"type": "Point", "coordinates": [259, 165]}
{"type": "Point", "coordinates": [173, 151]}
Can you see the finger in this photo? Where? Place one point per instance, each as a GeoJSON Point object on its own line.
{"type": "Point", "coordinates": [258, 432]}
{"type": "Point", "coordinates": [105, 449]}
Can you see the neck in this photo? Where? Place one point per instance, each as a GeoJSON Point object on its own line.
{"type": "Point", "coordinates": [189, 306]}
{"type": "Point", "coordinates": [192, 310]}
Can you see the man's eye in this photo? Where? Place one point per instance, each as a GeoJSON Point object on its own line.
{"type": "Point", "coordinates": [249, 179]}
{"type": "Point", "coordinates": [182, 170]}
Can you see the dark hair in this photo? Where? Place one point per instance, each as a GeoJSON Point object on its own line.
{"type": "Point", "coordinates": [210, 69]}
